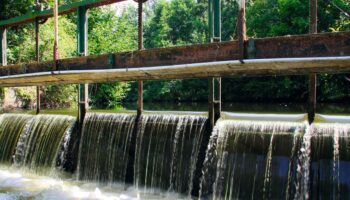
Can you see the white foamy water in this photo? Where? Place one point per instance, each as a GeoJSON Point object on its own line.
{"type": "Point", "coordinates": [20, 185]}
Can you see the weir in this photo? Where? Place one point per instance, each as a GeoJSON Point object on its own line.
{"type": "Point", "coordinates": [222, 156]}
{"type": "Point", "coordinates": [42, 140]}
{"type": "Point", "coordinates": [167, 151]}
{"type": "Point", "coordinates": [243, 159]}
{"type": "Point", "coordinates": [9, 134]}
{"type": "Point", "coordinates": [104, 147]}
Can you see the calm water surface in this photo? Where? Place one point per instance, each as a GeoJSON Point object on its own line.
{"type": "Point", "coordinates": [275, 108]}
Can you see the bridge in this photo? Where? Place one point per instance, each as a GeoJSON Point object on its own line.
{"type": "Point", "coordinates": [287, 55]}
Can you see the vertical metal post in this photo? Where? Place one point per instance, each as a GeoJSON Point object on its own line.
{"type": "Point", "coordinates": [214, 100]}
{"type": "Point", "coordinates": [55, 47]}
{"type": "Point", "coordinates": [82, 42]}
{"type": "Point", "coordinates": [3, 49]}
{"type": "Point", "coordinates": [211, 20]}
{"type": "Point", "coordinates": [217, 20]}
{"type": "Point", "coordinates": [313, 16]}
{"type": "Point", "coordinates": [241, 28]}
{"type": "Point", "coordinates": [129, 178]}
{"type": "Point", "coordinates": [140, 82]}
{"type": "Point", "coordinates": [312, 77]}
{"type": "Point", "coordinates": [37, 58]}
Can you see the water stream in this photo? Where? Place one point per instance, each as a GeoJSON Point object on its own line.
{"type": "Point", "coordinates": [174, 156]}
{"type": "Point", "coordinates": [167, 150]}
{"type": "Point", "coordinates": [41, 141]}
{"type": "Point", "coordinates": [11, 126]}
{"type": "Point", "coordinates": [250, 160]}
{"type": "Point", "coordinates": [104, 147]}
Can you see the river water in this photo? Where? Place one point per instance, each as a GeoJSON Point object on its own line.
{"type": "Point", "coordinates": [274, 108]}
{"type": "Point", "coordinates": [23, 184]}
{"type": "Point", "coordinates": [164, 147]}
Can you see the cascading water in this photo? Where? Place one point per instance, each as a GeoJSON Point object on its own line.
{"type": "Point", "coordinates": [104, 147]}
{"type": "Point", "coordinates": [167, 149]}
{"type": "Point", "coordinates": [11, 126]}
{"type": "Point", "coordinates": [42, 140]}
{"type": "Point", "coordinates": [251, 160]}
{"type": "Point", "coordinates": [330, 162]}
{"type": "Point", "coordinates": [245, 159]}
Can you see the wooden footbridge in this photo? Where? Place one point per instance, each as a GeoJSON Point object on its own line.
{"type": "Point", "coordinates": [288, 55]}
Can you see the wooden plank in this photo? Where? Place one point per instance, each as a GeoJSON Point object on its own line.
{"type": "Point", "coordinates": [252, 67]}
{"type": "Point", "coordinates": [315, 45]}
{"type": "Point", "coordinates": [63, 9]}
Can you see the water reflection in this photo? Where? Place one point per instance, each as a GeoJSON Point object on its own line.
{"type": "Point", "coordinates": [277, 108]}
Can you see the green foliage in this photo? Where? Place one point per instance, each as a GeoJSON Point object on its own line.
{"type": "Point", "coordinates": [26, 95]}
{"type": "Point", "coordinates": [176, 23]}
{"type": "Point", "coordinates": [110, 33]}
{"type": "Point", "coordinates": [25, 51]}
{"type": "Point", "coordinates": [59, 96]}
{"type": "Point", "coordinates": [108, 94]}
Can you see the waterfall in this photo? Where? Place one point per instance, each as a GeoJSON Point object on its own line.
{"type": "Point", "coordinates": [11, 126]}
{"type": "Point", "coordinates": [330, 162]}
{"type": "Point", "coordinates": [41, 141]}
{"type": "Point", "coordinates": [104, 147]}
{"type": "Point", "coordinates": [240, 159]}
{"type": "Point", "coordinates": [250, 160]}
{"type": "Point", "coordinates": [167, 150]}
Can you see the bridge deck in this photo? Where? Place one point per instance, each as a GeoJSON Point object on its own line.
{"type": "Point", "coordinates": [302, 54]}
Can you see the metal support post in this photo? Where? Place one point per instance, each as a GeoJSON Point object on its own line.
{"type": "Point", "coordinates": [82, 41]}
{"type": "Point", "coordinates": [214, 100]}
{"type": "Point", "coordinates": [55, 47]}
{"type": "Point", "coordinates": [217, 20]}
{"type": "Point", "coordinates": [37, 51]}
{"type": "Point", "coordinates": [312, 77]}
{"type": "Point", "coordinates": [211, 20]}
{"type": "Point", "coordinates": [140, 37]}
{"type": "Point", "coordinates": [241, 28]}
{"type": "Point", "coordinates": [3, 53]}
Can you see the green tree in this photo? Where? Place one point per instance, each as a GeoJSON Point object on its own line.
{"type": "Point", "coordinates": [110, 33]}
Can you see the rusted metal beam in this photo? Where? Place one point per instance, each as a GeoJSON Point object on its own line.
{"type": "Point", "coordinates": [316, 45]}
{"type": "Point", "coordinates": [63, 9]}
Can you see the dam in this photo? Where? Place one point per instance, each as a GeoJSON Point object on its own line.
{"type": "Point", "coordinates": [142, 154]}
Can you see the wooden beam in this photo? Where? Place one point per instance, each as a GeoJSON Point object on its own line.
{"type": "Point", "coordinates": [63, 9]}
{"type": "Point", "coordinates": [316, 45]}
{"type": "Point", "coordinates": [249, 67]}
